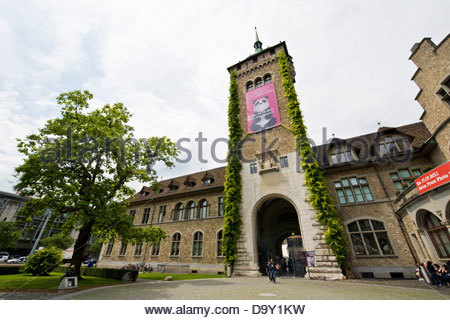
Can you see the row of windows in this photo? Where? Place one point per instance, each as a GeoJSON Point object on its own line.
{"type": "Point", "coordinates": [283, 164]}
{"type": "Point", "coordinates": [259, 82]}
{"type": "Point", "coordinates": [191, 211]}
{"type": "Point", "coordinates": [175, 245]}
{"type": "Point", "coordinates": [356, 190]}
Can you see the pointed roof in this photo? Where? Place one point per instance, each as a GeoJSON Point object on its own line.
{"type": "Point", "coordinates": [258, 44]}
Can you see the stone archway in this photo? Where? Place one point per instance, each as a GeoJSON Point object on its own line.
{"type": "Point", "coordinates": [276, 219]}
{"type": "Point", "coordinates": [435, 234]}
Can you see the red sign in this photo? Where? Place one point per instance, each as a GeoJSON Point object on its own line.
{"type": "Point", "coordinates": [434, 178]}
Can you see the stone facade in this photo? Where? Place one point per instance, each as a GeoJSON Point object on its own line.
{"type": "Point", "coordinates": [370, 177]}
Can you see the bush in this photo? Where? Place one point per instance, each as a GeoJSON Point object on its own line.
{"type": "Point", "coordinates": [107, 273]}
{"type": "Point", "coordinates": [10, 270]}
{"type": "Point", "coordinates": [43, 262]}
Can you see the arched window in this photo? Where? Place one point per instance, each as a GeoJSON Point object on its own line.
{"type": "Point", "coordinates": [197, 244]}
{"type": "Point", "coordinates": [438, 234]}
{"type": "Point", "coordinates": [267, 79]}
{"type": "Point", "coordinates": [220, 244]}
{"type": "Point", "coordinates": [178, 212]}
{"type": "Point", "coordinates": [258, 82]}
{"type": "Point", "coordinates": [249, 86]}
{"type": "Point", "coordinates": [190, 210]}
{"type": "Point", "coordinates": [203, 209]}
{"type": "Point", "coordinates": [369, 238]}
{"type": "Point", "coordinates": [175, 246]}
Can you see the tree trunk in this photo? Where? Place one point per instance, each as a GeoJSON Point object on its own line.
{"type": "Point", "coordinates": [80, 246]}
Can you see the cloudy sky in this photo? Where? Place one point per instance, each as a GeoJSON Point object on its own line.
{"type": "Point", "coordinates": [167, 62]}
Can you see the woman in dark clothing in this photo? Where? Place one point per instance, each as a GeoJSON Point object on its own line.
{"type": "Point", "coordinates": [434, 276]}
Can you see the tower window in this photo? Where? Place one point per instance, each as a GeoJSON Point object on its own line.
{"type": "Point", "coordinates": [284, 162]}
{"type": "Point", "coordinates": [267, 79]}
{"type": "Point", "coordinates": [253, 168]}
{"type": "Point", "coordinates": [249, 85]}
{"type": "Point", "coordinates": [255, 59]}
{"type": "Point", "coordinates": [444, 91]}
{"type": "Point", "coordinates": [272, 51]}
{"type": "Point", "coordinates": [258, 82]}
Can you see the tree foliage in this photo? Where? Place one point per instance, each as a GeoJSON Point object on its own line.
{"type": "Point", "coordinates": [78, 165]}
{"type": "Point", "coordinates": [59, 240]}
{"type": "Point", "coordinates": [320, 197]}
{"type": "Point", "coordinates": [233, 197]}
{"type": "Point", "coordinates": [42, 262]}
{"type": "Point", "coordinates": [9, 235]}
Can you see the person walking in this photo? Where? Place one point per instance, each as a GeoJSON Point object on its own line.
{"type": "Point", "coordinates": [272, 268]}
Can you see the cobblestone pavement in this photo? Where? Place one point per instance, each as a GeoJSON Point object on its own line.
{"type": "Point", "coordinates": [260, 288]}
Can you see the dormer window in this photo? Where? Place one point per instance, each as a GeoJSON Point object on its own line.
{"type": "Point", "coordinates": [341, 155]}
{"type": "Point", "coordinates": [388, 145]}
{"type": "Point", "coordinates": [173, 186]}
{"type": "Point", "coordinates": [208, 181]}
{"type": "Point", "coordinates": [144, 193]}
{"type": "Point", "coordinates": [189, 182]}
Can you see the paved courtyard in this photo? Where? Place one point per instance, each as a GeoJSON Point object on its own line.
{"type": "Point", "coordinates": [259, 288]}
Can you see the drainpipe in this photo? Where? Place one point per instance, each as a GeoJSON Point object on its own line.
{"type": "Point", "coordinates": [399, 219]}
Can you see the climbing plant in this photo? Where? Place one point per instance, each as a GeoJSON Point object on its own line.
{"type": "Point", "coordinates": [233, 197]}
{"type": "Point", "coordinates": [320, 197]}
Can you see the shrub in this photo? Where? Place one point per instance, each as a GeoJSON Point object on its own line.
{"type": "Point", "coordinates": [10, 270]}
{"type": "Point", "coordinates": [43, 262]}
{"type": "Point", "coordinates": [107, 273]}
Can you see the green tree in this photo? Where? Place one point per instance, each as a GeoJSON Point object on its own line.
{"type": "Point", "coordinates": [78, 165]}
{"type": "Point", "coordinates": [59, 240]}
{"type": "Point", "coordinates": [8, 235]}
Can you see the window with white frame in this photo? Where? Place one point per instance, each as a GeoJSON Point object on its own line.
{"type": "Point", "coordinates": [203, 209]}
{"type": "Point", "coordinates": [369, 238]}
{"type": "Point", "coordinates": [155, 249]}
{"type": "Point", "coordinates": [220, 243]}
{"type": "Point", "coordinates": [138, 249]}
{"type": "Point", "coordinates": [145, 216]}
{"type": "Point", "coordinates": [353, 190]}
{"type": "Point", "coordinates": [221, 208]}
{"type": "Point", "coordinates": [253, 168]}
{"type": "Point", "coordinates": [190, 210]}
{"type": "Point", "coordinates": [178, 212]}
{"type": "Point", "coordinates": [197, 244]}
{"type": "Point", "coordinates": [162, 213]}
{"type": "Point", "coordinates": [341, 155]}
{"type": "Point", "coordinates": [175, 245]}
{"type": "Point", "coordinates": [402, 178]}
{"type": "Point", "coordinates": [123, 249]}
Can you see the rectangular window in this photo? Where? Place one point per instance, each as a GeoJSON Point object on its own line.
{"type": "Point", "coordinates": [138, 249]}
{"type": "Point", "coordinates": [253, 168]}
{"type": "Point", "coordinates": [145, 216]}
{"type": "Point", "coordinates": [352, 190]}
{"type": "Point", "coordinates": [155, 249]}
{"type": "Point", "coordinates": [162, 213]}
{"type": "Point", "coordinates": [284, 162]}
{"type": "Point", "coordinates": [123, 249]}
{"type": "Point", "coordinates": [404, 178]}
{"type": "Point", "coordinates": [388, 145]}
{"type": "Point", "coordinates": [109, 248]}
{"type": "Point", "coordinates": [221, 209]}
{"type": "Point", "coordinates": [340, 155]}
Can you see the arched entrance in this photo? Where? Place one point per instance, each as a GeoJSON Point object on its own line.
{"type": "Point", "coordinates": [278, 225]}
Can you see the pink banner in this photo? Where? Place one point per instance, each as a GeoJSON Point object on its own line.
{"type": "Point", "coordinates": [262, 108]}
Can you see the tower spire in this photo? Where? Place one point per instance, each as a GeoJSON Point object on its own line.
{"type": "Point", "coordinates": [258, 44]}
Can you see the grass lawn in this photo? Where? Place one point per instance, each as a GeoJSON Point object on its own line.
{"type": "Point", "coordinates": [177, 276]}
{"type": "Point", "coordinates": [23, 282]}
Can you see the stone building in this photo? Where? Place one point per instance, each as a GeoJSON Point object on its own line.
{"type": "Point", "coordinates": [370, 176]}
